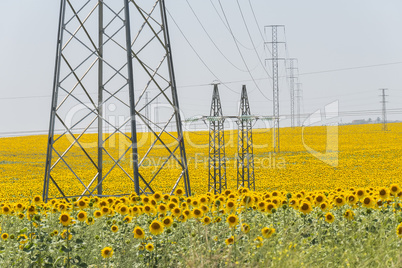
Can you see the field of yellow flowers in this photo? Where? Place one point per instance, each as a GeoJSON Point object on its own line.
{"type": "Point", "coordinates": [304, 212]}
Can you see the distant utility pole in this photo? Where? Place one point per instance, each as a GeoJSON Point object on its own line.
{"type": "Point", "coordinates": [292, 77]}
{"type": "Point", "coordinates": [384, 110]}
{"type": "Point", "coordinates": [147, 113]}
{"type": "Point", "coordinates": [299, 94]}
{"type": "Point", "coordinates": [275, 86]}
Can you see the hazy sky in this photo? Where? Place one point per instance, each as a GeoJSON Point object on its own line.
{"type": "Point", "coordinates": [322, 35]}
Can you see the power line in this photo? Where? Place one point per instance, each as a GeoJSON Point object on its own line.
{"type": "Point", "coordinates": [237, 81]}
{"type": "Point", "coordinates": [353, 68]}
{"type": "Point", "coordinates": [258, 26]}
{"type": "Point", "coordinates": [252, 42]}
{"type": "Point", "coordinates": [210, 38]}
{"type": "Point", "coordinates": [238, 49]}
{"type": "Point", "coordinates": [226, 26]}
{"type": "Point", "coordinates": [198, 55]}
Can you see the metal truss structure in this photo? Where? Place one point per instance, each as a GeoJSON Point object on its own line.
{"type": "Point", "coordinates": [245, 157]}
{"type": "Point", "coordinates": [292, 76]}
{"type": "Point", "coordinates": [217, 157]}
{"type": "Point", "coordinates": [110, 54]}
{"type": "Point", "coordinates": [384, 109]}
{"type": "Point", "coordinates": [275, 78]}
{"type": "Point", "coordinates": [298, 96]}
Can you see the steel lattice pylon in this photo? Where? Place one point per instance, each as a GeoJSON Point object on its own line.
{"type": "Point", "coordinates": [298, 95]}
{"type": "Point", "coordinates": [245, 157]}
{"type": "Point", "coordinates": [384, 109]}
{"type": "Point", "coordinates": [292, 77]}
{"type": "Point", "coordinates": [275, 84]}
{"type": "Point", "coordinates": [112, 53]}
{"type": "Point", "coordinates": [217, 157]}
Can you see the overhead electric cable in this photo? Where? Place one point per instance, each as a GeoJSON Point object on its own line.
{"type": "Point", "coordinates": [238, 49]}
{"type": "Point", "coordinates": [226, 26]}
{"type": "Point", "coordinates": [210, 38]}
{"type": "Point", "coordinates": [198, 55]}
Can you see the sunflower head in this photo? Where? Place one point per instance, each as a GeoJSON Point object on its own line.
{"type": "Point", "coordinates": [230, 240]}
{"type": "Point", "coordinates": [206, 220]}
{"type": "Point", "coordinates": [82, 216]}
{"type": "Point", "coordinates": [394, 189]}
{"type": "Point", "coordinates": [197, 213]}
{"type": "Point", "coordinates": [305, 207]}
{"type": "Point", "coordinates": [37, 199]}
{"type": "Point", "coordinates": [329, 217]}
{"type": "Point", "coordinates": [267, 232]}
{"type": "Point", "coordinates": [156, 227]}
{"type": "Point", "coordinates": [4, 236]}
{"type": "Point", "coordinates": [167, 221]}
{"type": "Point", "coordinates": [150, 247]}
{"type": "Point", "coordinates": [179, 192]}
{"type": "Point", "coordinates": [399, 230]}
{"type": "Point", "coordinates": [232, 220]}
{"type": "Point", "coordinates": [114, 228]}
{"type": "Point", "coordinates": [107, 252]}
{"type": "Point", "coordinates": [65, 219]}
{"type": "Point", "coordinates": [139, 233]}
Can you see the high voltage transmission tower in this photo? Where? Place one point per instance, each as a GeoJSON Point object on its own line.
{"type": "Point", "coordinates": [217, 156]}
{"type": "Point", "coordinates": [384, 110]}
{"type": "Point", "coordinates": [275, 83]}
{"type": "Point", "coordinates": [298, 96]}
{"type": "Point", "coordinates": [112, 53]}
{"type": "Point", "coordinates": [292, 78]}
{"type": "Point", "coordinates": [245, 157]}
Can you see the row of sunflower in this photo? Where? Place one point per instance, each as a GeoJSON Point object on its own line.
{"type": "Point", "coordinates": [240, 227]}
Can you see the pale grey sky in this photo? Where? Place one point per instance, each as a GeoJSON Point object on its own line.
{"type": "Point", "coordinates": [322, 35]}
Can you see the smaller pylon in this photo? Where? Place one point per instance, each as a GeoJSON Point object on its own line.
{"type": "Point", "coordinates": [217, 157]}
{"type": "Point", "coordinates": [384, 110]}
{"type": "Point", "coordinates": [245, 157]}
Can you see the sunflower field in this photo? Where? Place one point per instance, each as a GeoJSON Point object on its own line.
{"type": "Point", "coordinates": [303, 212]}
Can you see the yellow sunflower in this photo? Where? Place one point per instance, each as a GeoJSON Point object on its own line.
{"type": "Point", "coordinates": [139, 233]}
{"type": "Point", "coordinates": [167, 221]}
{"type": "Point", "coordinates": [206, 220]}
{"type": "Point", "coordinates": [65, 219]}
{"type": "Point", "coordinates": [394, 189]}
{"type": "Point", "coordinates": [107, 252]}
{"type": "Point", "coordinates": [267, 232]}
{"type": "Point", "coordinates": [232, 220]}
{"type": "Point", "coordinates": [114, 228]}
{"type": "Point", "coordinates": [82, 216]}
{"type": "Point", "coordinates": [37, 199]}
{"type": "Point", "coordinates": [368, 202]}
{"type": "Point", "coordinates": [349, 214]}
{"type": "Point", "coordinates": [197, 213]}
{"type": "Point", "coordinates": [98, 214]}
{"type": "Point", "coordinates": [383, 193]}
{"type": "Point", "coordinates": [4, 236]}
{"type": "Point", "coordinates": [329, 217]}
{"type": "Point", "coordinates": [339, 201]}
{"type": "Point", "coordinates": [176, 212]}
{"type": "Point", "coordinates": [230, 240]}
{"type": "Point", "coordinates": [150, 247]}
{"type": "Point", "coordinates": [305, 207]}
{"type": "Point", "coordinates": [156, 227]}
{"type": "Point", "coordinates": [399, 230]}
{"type": "Point", "coordinates": [179, 192]}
